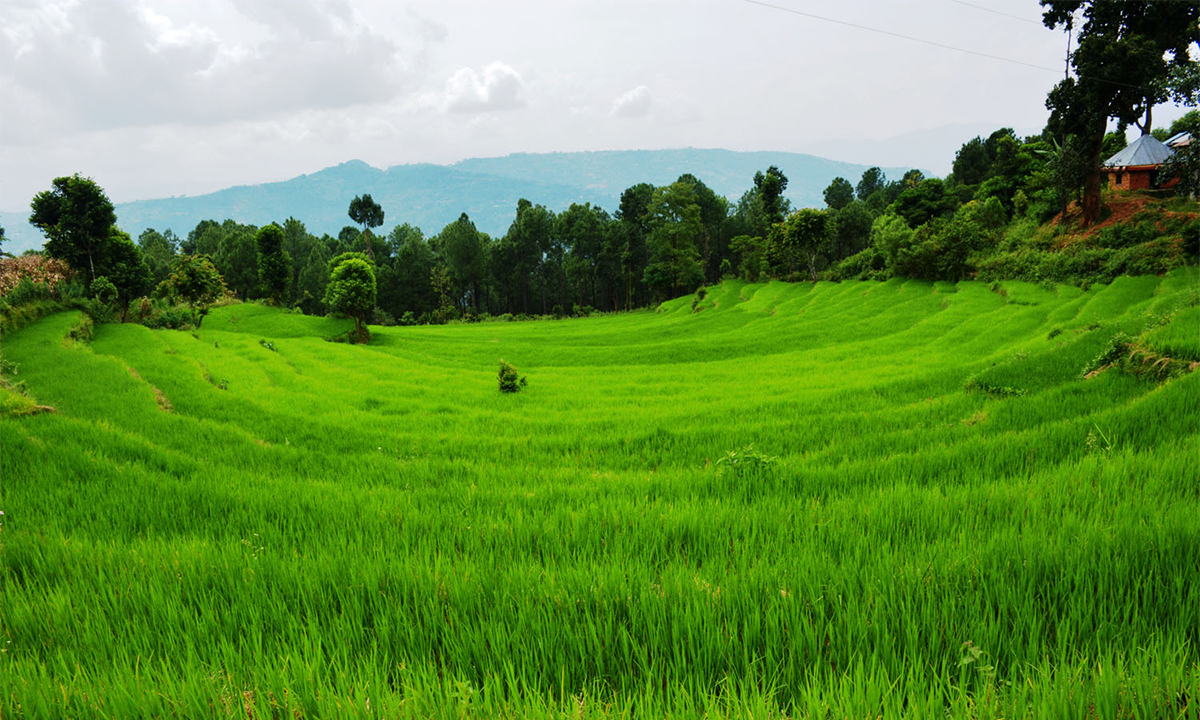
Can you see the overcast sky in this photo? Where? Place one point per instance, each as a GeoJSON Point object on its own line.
{"type": "Point", "coordinates": [161, 97]}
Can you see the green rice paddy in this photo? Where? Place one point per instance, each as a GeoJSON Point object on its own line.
{"type": "Point", "coordinates": [250, 521]}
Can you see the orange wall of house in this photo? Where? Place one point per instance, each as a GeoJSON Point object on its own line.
{"type": "Point", "coordinates": [1130, 180]}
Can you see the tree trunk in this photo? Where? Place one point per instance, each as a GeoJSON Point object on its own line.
{"type": "Point", "coordinates": [1091, 188]}
{"type": "Point", "coordinates": [1147, 126]}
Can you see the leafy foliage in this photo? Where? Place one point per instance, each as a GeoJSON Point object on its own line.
{"type": "Point", "coordinates": [195, 281]}
{"type": "Point", "coordinates": [510, 381]}
{"type": "Point", "coordinates": [351, 290]}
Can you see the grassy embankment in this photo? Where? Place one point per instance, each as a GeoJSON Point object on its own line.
{"type": "Point", "coordinates": [958, 521]}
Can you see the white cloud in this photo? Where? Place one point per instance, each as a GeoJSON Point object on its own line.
{"type": "Point", "coordinates": [110, 63]}
{"type": "Point", "coordinates": [499, 87]}
{"type": "Point", "coordinates": [634, 104]}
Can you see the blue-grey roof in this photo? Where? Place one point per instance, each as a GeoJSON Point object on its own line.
{"type": "Point", "coordinates": [1178, 138]}
{"type": "Point", "coordinates": [1143, 151]}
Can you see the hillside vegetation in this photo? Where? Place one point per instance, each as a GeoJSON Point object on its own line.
{"type": "Point", "coordinates": [864, 499]}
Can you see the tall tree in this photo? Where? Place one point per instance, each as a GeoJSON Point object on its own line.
{"type": "Point", "coordinates": [159, 249]}
{"type": "Point", "coordinates": [839, 193]}
{"type": "Point", "coordinates": [633, 216]}
{"type": "Point", "coordinates": [771, 184]}
{"type": "Point", "coordinates": [274, 264]}
{"type": "Point", "coordinates": [368, 213]}
{"type": "Point", "coordinates": [76, 217]}
{"type": "Point", "coordinates": [1123, 61]}
{"type": "Point", "coordinates": [236, 257]}
{"type": "Point", "coordinates": [872, 181]}
{"type": "Point", "coordinates": [464, 248]}
{"type": "Point", "coordinates": [808, 234]}
{"type": "Point", "coordinates": [674, 264]}
{"type": "Point", "coordinates": [126, 268]}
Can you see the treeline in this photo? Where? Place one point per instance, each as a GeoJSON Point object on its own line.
{"type": "Point", "coordinates": [668, 240]}
{"type": "Point", "coordinates": [983, 220]}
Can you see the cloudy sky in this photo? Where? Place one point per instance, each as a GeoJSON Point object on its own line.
{"type": "Point", "coordinates": [161, 97]}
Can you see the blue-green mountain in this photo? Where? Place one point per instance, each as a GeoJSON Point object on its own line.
{"type": "Point", "coordinates": [487, 189]}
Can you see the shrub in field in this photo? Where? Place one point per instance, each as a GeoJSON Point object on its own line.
{"type": "Point", "coordinates": [510, 380]}
{"type": "Point", "coordinates": [161, 315]}
{"type": "Point", "coordinates": [746, 461]}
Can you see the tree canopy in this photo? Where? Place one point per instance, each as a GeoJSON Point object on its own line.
{"type": "Point", "coordinates": [352, 289]}
{"type": "Point", "coordinates": [195, 281]}
{"type": "Point", "coordinates": [76, 216]}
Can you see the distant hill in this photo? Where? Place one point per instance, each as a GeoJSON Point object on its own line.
{"type": "Point", "coordinates": [487, 189]}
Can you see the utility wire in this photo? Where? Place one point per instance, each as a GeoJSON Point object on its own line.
{"type": "Point", "coordinates": [933, 43]}
{"type": "Point", "coordinates": [997, 12]}
{"type": "Point", "coordinates": [899, 35]}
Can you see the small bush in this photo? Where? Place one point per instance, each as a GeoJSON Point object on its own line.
{"type": "Point", "coordinates": [746, 461]}
{"type": "Point", "coordinates": [162, 315]}
{"type": "Point", "coordinates": [510, 380]}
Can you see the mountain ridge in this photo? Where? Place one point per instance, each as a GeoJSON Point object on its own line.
{"type": "Point", "coordinates": [430, 196]}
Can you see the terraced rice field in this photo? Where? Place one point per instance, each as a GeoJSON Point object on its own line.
{"type": "Point", "coordinates": [249, 521]}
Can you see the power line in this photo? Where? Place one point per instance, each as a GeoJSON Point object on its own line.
{"type": "Point", "coordinates": [997, 12]}
{"type": "Point", "coordinates": [899, 35]}
{"type": "Point", "coordinates": [933, 43]}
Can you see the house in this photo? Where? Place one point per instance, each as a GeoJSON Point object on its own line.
{"type": "Point", "coordinates": [1137, 166]}
{"type": "Point", "coordinates": [1179, 140]}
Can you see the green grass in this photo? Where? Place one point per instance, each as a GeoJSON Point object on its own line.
{"type": "Point", "coordinates": [209, 528]}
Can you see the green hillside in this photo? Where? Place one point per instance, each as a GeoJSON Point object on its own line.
{"type": "Point", "coordinates": [865, 499]}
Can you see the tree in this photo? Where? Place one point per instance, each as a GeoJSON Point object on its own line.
{"type": "Point", "coordinates": [274, 264]}
{"type": "Point", "coordinates": [297, 243]}
{"type": "Point", "coordinates": [126, 268]}
{"type": "Point", "coordinates": [195, 281]}
{"type": "Point", "coordinates": [633, 216]}
{"type": "Point", "coordinates": [314, 278]}
{"type": "Point", "coordinates": [368, 213]}
{"type": "Point", "coordinates": [923, 201]}
{"type": "Point", "coordinates": [159, 249]}
{"type": "Point", "coordinates": [852, 230]}
{"type": "Point", "coordinates": [771, 185]}
{"type": "Point", "coordinates": [714, 211]}
{"type": "Point", "coordinates": [807, 235]}
{"type": "Point", "coordinates": [971, 163]}
{"type": "Point", "coordinates": [891, 236]}
{"type": "Point", "coordinates": [521, 251]}
{"type": "Point", "coordinates": [351, 290]}
{"type": "Point", "coordinates": [413, 264]}
{"type": "Point", "coordinates": [236, 257]}
{"type": "Point", "coordinates": [76, 217]}
{"type": "Point", "coordinates": [871, 182]}
{"type": "Point", "coordinates": [583, 229]}
{"type": "Point", "coordinates": [839, 193]}
{"type": "Point", "coordinates": [465, 251]}
{"type": "Point", "coordinates": [1121, 70]}
{"type": "Point", "coordinates": [674, 218]}
{"type": "Point", "coordinates": [1185, 163]}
